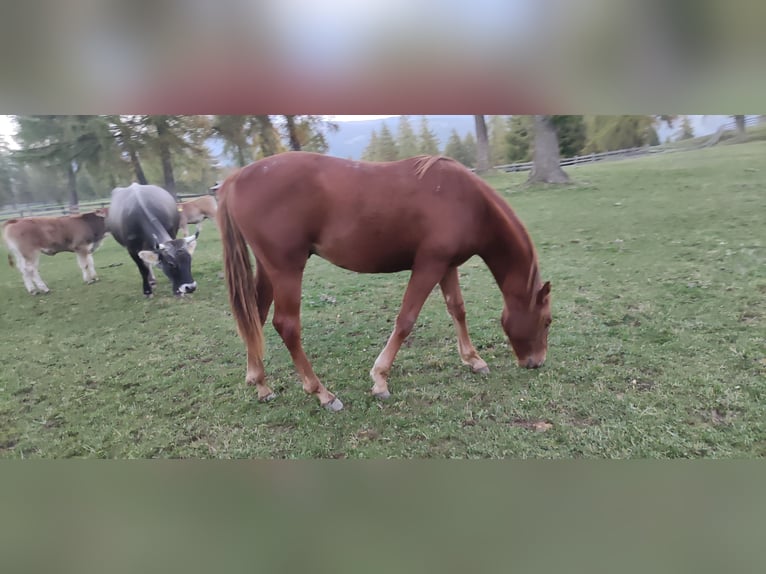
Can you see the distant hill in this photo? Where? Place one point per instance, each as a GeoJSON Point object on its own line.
{"type": "Point", "coordinates": [352, 137]}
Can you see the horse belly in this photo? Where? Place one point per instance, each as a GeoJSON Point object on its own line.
{"type": "Point", "coordinates": [368, 253]}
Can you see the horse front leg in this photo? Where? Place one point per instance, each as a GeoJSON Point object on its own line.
{"type": "Point", "coordinates": [422, 281]}
{"type": "Point", "coordinates": [287, 322]}
{"type": "Point", "coordinates": [450, 286]}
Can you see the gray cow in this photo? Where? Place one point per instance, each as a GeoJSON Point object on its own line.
{"type": "Point", "coordinates": [144, 219]}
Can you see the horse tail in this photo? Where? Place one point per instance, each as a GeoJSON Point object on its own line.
{"type": "Point", "coordinates": [11, 261]}
{"type": "Point", "coordinates": [238, 271]}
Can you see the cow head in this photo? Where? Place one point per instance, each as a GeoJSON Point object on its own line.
{"type": "Point", "coordinates": [174, 258]}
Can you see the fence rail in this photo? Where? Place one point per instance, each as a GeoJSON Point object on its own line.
{"type": "Point", "coordinates": [56, 209]}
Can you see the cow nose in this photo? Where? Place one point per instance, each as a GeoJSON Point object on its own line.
{"type": "Point", "coordinates": [188, 287]}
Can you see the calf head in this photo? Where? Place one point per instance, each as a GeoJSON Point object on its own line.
{"type": "Point", "coordinates": [174, 258]}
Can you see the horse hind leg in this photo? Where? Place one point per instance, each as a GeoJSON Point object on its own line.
{"type": "Point", "coordinates": [287, 322]}
{"type": "Point", "coordinates": [256, 373]}
{"type": "Point", "coordinates": [450, 287]}
{"type": "Point", "coordinates": [422, 281]}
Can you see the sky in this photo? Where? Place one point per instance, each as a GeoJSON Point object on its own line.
{"type": "Point", "coordinates": [356, 118]}
{"type": "Point", "coordinates": [6, 128]}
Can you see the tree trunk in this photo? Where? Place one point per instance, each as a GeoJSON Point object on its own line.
{"type": "Point", "coordinates": [295, 144]}
{"type": "Point", "coordinates": [546, 159]}
{"type": "Point", "coordinates": [130, 147]}
{"type": "Point", "coordinates": [241, 156]}
{"type": "Point", "coordinates": [74, 202]}
{"type": "Point", "coordinates": [267, 136]}
{"type": "Point", "coordinates": [163, 135]}
{"type": "Point", "coordinates": [482, 145]}
{"type": "Point", "coordinates": [740, 121]}
{"type": "Point", "coordinates": [136, 163]}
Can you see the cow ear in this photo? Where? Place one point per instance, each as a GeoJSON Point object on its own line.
{"type": "Point", "coordinates": [103, 212]}
{"type": "Point", "coordinates": [544, 291]}
{"type": "Point", "coordinates": [191, 245]}
{"type": "Point", "coordinates": [149, 257]}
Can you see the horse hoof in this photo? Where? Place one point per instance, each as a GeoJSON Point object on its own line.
{"type": "Point", "coordinates": [268, 398]}
{"type": "Point", "coordinates": [382, 396]}
{"type": "Point", "coordinates": [482, 371]}
{"type": "Point", "coordinates": [334, 405]}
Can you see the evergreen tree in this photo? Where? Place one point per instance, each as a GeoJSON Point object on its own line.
{"type": "Point", "coordinates": [498, 143]}
{"type": "Point", "coordinates": [518, 139]}
{"type": "Point", "coordinates": [371, 151]}
{"type": "Point", "coordinates": [387, 149]}
{"type": "Point", "coordinates": [609, 133]}
{"type": "Point", "coordinates": [454, 146]}
{"type": "Point", "coordinates": [687, 132]}
{"type": "Point", "coordinates": [571, 134]}
{"type": "Point", "coordinates": [427, 144]}
{"type": "Point", "coordinates": [469, 150]}
{"type": "Point", "coordinates": [406, 141]}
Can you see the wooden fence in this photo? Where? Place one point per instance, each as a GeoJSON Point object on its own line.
{"type": "Point", "coordinates": [56, 209]}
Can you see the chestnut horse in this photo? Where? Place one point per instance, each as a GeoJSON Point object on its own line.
{"type": "Point", "coordinates": [426, 214]}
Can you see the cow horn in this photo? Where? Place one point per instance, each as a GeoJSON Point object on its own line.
{"type": "Point", "coordinates": [192, 237]}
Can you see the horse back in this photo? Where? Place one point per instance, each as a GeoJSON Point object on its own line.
{"type": "Point", "coordinates": [364, 216]}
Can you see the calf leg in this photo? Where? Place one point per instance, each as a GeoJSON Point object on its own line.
{"type": "Point", "coordinates": [85, 261]}
{"type": "Point", "coordinates": [450, 287]}
{"type": "Point", "coordinates": [422, 281]}
{"type": "Point", "coordinates": [31, 271]}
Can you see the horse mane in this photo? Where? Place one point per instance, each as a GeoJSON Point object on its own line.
{"type": "Point", "coordinates": [424, 162]}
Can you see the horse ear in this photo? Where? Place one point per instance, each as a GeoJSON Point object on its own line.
{"type": "Point", "coordinates": [544, 291]}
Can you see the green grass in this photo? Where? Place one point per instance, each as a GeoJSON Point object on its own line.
{"type": "Point", "coordinates": [656, 350]}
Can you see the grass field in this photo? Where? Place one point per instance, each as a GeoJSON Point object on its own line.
{"type": "Point", "coordinates": [658, 346]}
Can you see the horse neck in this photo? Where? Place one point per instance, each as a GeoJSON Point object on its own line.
{"type": "Point", "coordinates": [510, 256]}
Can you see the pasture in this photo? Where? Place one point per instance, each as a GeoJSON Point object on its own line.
{"type": "Point", "coordinates": [657, 349]}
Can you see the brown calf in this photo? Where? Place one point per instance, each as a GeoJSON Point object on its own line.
{"type": "Point", "coordinates": [195, 211]}
{"type": "Point", "coordinates": [27, 238]}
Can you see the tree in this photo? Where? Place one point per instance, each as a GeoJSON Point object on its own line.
{"type": "Point", "coordinates": [518, 139]}
{"type": "Point", "coordinates": [546, 157]}
{"type": "Point", "coordinates": [292, 133]}
{"type": "Point", "coordinates": [571, 134]}
{"type": "Point", "coordinates": [406, 141]}
{"type": "Point", "coordinates": [235, 132]}
{"type": "Point", "coordinates": [470, 152]}
{"type": "Point", "coordinates": [307, 132]}
{"type": "Point", "coordinates": [482, 145]}
{"type": "Point", "coordinates": [266, 137]}
{"type": "Point", "coordinates": [371, 151]}
{"type": "Point", "coordinates": [740, 123]}
{"type": "Point", "coordinates": [387, 149]}
{"type": "Point", "coordinates": [687, 132]}
{"type": "Point", "coordinates": [498, 132]}
{"type": "Point", "coordinates": [7, 191]}
{"type": "Point", "coordinates": [66, 144]}
{"type": "Point", "coordinates": [126, 134]}
{"type": "Point", "coordinates": [609, 133]}
{"type": "Point", "coordinates": [428, 144]}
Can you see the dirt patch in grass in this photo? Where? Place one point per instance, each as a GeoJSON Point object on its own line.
{"type": "Point", "coordinates": [537, 425]}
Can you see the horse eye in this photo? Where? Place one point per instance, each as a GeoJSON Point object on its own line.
{"type": "Point", "coordinates": [548, 322]}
